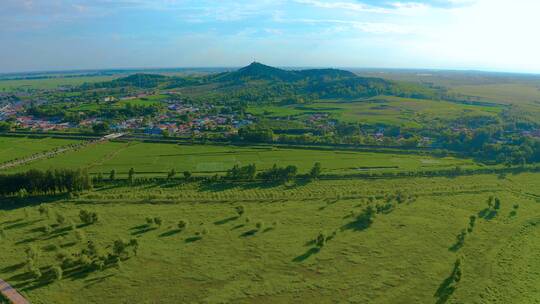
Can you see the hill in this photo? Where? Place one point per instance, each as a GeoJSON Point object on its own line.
{"type": "Point", "coordinates": [262, 83]}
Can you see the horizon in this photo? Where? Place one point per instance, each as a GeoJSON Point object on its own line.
{"type": "Point", "coordinates": [475, 35]}
{"type": "Point", "coordinates": [232, 68]}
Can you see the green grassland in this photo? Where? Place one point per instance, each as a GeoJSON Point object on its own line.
{"type": "Point", "coordinates": [19, 147]}
{"type": "Point", "coordinates": [50, 83]}
{"type": "Point", "coordinates": [511, 93]}
{"type": "Point", "coordinates": [408, 112]}
{"type": "Point", "coordinates": [404, 256]}
{"type": "Point", "coordinates": [154, 159]}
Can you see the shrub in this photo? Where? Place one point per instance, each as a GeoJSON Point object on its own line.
{"type": "Point", "coordinates": [320, 241]}
{"type": "Point", "coordinates": [182, 224]}
{"type": "Point", "coordinates": [240, 210]}
{"type": "Point", "coordinates": [88, 217]}
{"type": "Point", "coordinates": [43, 210]}
{"type": "Point", "coordinates": [57, 272]}
{"type": "Point", "coordinates": [60, 219]}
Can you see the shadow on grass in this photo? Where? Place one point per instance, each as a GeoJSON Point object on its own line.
{"type": "Point", "coordinates": [448, 286]}
{"type": "Point", "coordinates": [143, 231]}
{"type": "Point", "coordinates": [97, 280]}
{"type": "Point", "coordinates": [13, 203]}
{"type": "Point", "coordinates": [360, 223]}
{"type": "Point", "coordinates": [306, 255]}
{"type": "Point", "coordinates": [456, 247]}
{"type": "Point", "coordinates": [227, 220]}
{"type": "Point", "coordinates": [21, 224]}
{"type": "Point", "coordinates": [487, 214]}
{"type": "Point", "coordinates": [238, 226]}
{"type": "Point", "coordinates": [249, 233]}
{"type": "Point", "coordinates": [193, 239]}
{"type": "Point", "coordinates": [13, 267]}
{"type": "Point", "coordinates": [170, 233]}
{"type": "Point", "coordinates": [268, 229]}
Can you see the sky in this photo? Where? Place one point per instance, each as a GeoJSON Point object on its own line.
{"type": "Point", "coordinates": [493, 35]}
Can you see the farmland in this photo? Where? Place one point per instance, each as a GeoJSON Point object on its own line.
{"type": "Point", "coordinates": [266, 254]}
{"type": "Point", "coordinates": [152, 159]}
{"type": "Point", "coordinates": [17, 147]}
{"type": "Point", "coordinates": [274, 186]}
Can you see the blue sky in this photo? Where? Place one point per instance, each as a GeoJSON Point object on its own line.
{"type": "Point", "coordinates": [443, 34]}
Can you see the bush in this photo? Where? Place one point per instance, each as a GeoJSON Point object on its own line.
{"type": "Point", "coordinates": [88, 217]}
{"type": "Point", "coordinates": [57, 272]}
{"type": "Point", "coordinates": [240, 210]}
{"type": "Point", "coordinates": [182, 224]}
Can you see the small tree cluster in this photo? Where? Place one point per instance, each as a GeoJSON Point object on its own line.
{"type": "Point", "coordinates": [88, 217]}
{"type": "Point", "coordinates": [242, 173]}
{"type": "Point", "coordinates": [278, 174]}
{"type": "Point", "coordinates": [315, 171]}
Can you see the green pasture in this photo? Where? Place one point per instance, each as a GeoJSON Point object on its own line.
{"type": "Point", "coordinates": [50, 83]}
{"type": "Point", "coordinates": [404, 256]}
{"type": "Point", "coordinates": [19, 147]}
{"type": "Point", "coordinates": [408, 112]}
{"type": "Point", "coordinates": [157, 159]}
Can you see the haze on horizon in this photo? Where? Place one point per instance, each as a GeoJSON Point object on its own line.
{"type": "Point", "coordinates": [493, 35]}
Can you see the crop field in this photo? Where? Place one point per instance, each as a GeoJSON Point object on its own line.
{"type": "Point", "coordinates": [388, 110]}
{"type": "Point", "coordinates": [19, 147]}
{"type": "Point", "coordinates": [156, 159]}
{"type": "Point", "coordinates": [406, 254]}
{"type": "Point", "coordinates": [50, 83]}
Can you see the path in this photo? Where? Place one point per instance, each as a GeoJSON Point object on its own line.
{"type": "Point", "coordinates": [11, 294]}
{"type": "Point", "coordinates": [57, 151]}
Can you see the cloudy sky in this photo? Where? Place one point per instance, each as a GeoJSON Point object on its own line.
{"type": "Point", "coordinates": [499, 35]}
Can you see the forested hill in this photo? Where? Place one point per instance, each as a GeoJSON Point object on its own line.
{"type": "Point", "coordinates": [259, 82]}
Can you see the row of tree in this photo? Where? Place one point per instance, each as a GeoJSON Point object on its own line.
{"type": "Point", "coordinates": [45, 182]}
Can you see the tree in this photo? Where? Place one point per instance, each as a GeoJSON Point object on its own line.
{"type": "Point", "coordinates": [119, 248]}
{"type": "Point", "coordinates": [60, 219]}
{"type": "Point", "coordinates": [182, 224]}
{"type": "Point", "coordinates": [112, 175]}
{"type": "Point", "coordinates": [239, 210]}
{"type": "Point", "coordinates": [43, 210]}
{"type": "Point", "coordinates": [158, 221]}
{"type": "Point", "coordinates": [57, 272]}
{"type": "Point", "coordinates": [5, 126]}
{"type": "Point", "coordinates": [171, 174]}
{"type": "Point", "coordinates": [315, 172]}
{"type": "Point", "coordinates": [131, 174]}
{"type": "Point", "coordinates": [134, 243]}
{"type": "Point", "coordinates": [88, 217]}
{"type": "Point", "coordinates": [187, 175]}
{"type": "Point", "coordinates": [320, 241]}
{"type": "Point", "coordinates": [100, 128]}
{"type": "Point", "coordinates": [497, 204]}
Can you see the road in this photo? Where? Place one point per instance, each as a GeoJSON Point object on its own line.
{"type": "Point", "coordinates": [11, 294]}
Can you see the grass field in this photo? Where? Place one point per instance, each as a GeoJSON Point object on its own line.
{"type": "Point", "coordinates": [19, 147]}
{"type": "Point", "coordinates": [157, 159]}
{"type": "Point", "coordinates": [388, 110]}
{"type": "Point", "coordinates": [50, 83]}
{"type": "Point", "coordinates": [404, 256]}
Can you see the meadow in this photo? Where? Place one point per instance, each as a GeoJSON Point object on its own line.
{"type": "Point", "coordinates": [50, 83]}
{"type": "Point", "coordinates": [389, 110]}
{"type": "Point", "coordinates": [271, 253]}
{"type": "Point", "coordinates": [156, 159]}
{"type": "Point", "coordinates": [20, 147]}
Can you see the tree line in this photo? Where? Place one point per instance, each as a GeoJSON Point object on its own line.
{"type": "Point", "coordinates": [44, 182]}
